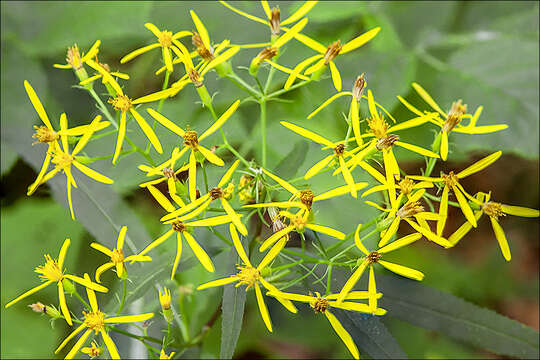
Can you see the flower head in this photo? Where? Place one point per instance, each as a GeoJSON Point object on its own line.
{"type": "Point", "coordinates": [93, 351]}
{"type": "Point", "coordinates": [74, 60]}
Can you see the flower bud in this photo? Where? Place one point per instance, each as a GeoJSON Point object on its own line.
{"type": "Point", "coordinates": [165, 301]}
{"type": "Point", "coordinates": [68, 286]}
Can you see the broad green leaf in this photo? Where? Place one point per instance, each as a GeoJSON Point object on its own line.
{"type": "Point", "coordinates": [288, 167]}
{"type": "Point", "coordinates": [232, 307]}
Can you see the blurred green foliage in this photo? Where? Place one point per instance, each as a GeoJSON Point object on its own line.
{"type": "Point", "coordinates": [485, 53]}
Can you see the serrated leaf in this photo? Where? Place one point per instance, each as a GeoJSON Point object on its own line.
{"type": "Point", "coordinates": [432, 309]}
{"type": "Point", "coordinates": [232, 308]}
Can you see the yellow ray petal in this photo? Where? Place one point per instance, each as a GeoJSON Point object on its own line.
{"type": "Point", "coordinates": [360, 40]}
{"type": "Point", "coordinates": [37, 104]}
{"type": "Point", "coordinates": [153, 28]}
{"type": "Point", "coordinates": [299, 68]}
{"type": "Point", "coordinates": [219, 282]}
{"type": "Point", "coordinates": [390, 231]}
{"type": "Point", "coordinates": [357, 241]}
{"type": "Point", "coordinates": [212, 221]}
{"type": "Point", "coordinates": [417, 149]}
{"type": "Point", "coordinates": [315, 169]}
{"type": "Point", "coordinates": [444, 145]}
{"type": "Point", "coordinates": [161, 199]}
{"type": "Point", "coordinates": [410, 107]}
{"type": "Point", "coordinates": [285, 69]}
{"type": "Point", "coordinates": [282, 182]}
{"type": "Point", "coordinates": [166, 122]}
{"type": "Point", "coordinates": [343, 334]}
{"type": "Point", "coordinates": [32, 188]}
{"type": "Point", "coordinates": [129, 318]}
{"type": "Point", "coordinates": [210, 156]}
{"type": "Point", "coordinates": [120, 138]}
{"type": "Point", "coordinates": [402, 270]}
{"type": "Point", "coordinates": [417, 121]}
{"type": "Point", "coordinates": [355, 119]}
{"type": "Point", "coordinates": [302, 10]}
{"type": "Point", "coordinates": [443, 211]}
{"type": "Point", "coordinates": [501, 238]}
{"type": "Point", "coordinates": [427, 98]}
{"type": "Point", "coordinates": [275, 237]}
{"type": "Point", "coordinates": [70, 336]}
{"type": "Point", "coordinates": [347, 176]}
{"type": "Point", "coordinates": [290, 296]}
{"type": "Point", "coordinates": [262, 308]}
{"type": "Point", "coordinates": [225, 179]}
{"type": "Point", "coordinates": [336, 77]}
{"type": "Point", "coordinates": [480, 129]}
{"type": "Point", "coordinates": [201, 29]}
{"type": "Point", "coordinates": [285, 302]}
{"type": "Point", "coordinates": [309, 42]}
{"type": "Point", "coordinates": [220, 59]}
{"type": "Point", "coordinates": [244, 14]}
{"type": "Point", "coordinates": [188, 207]}
{"type": "Point", "coordinates": [28, 293]}
{"type": "Point", "coordinates": [157, 242]}
{"type": "Point", "coordinates": [216, 125]}
{"type": "Point", "coordinates": [113, 352]}
{"type": "Point", "coordinates": [307, 134]}
{"type": "Point", "coordinates": [63, 305]}
{"type": "Point", "coordinates": [404, 241]}
{"type": "Point", "coordinates": [158, 95]}
{"type": "Point", "coordinates": [92, 286]}
{"type": "Point", "coordinates": [463, 230]}
{"type": "Point", "coordinates": [238, 245]}
{"type": "Point", "coordinates": [289, 34]}
{"type": "Point", "coordinates": [167, 58]}
{"type": "Point", "coordinates": [192, 177]}
{"type": "Point", "coordinates": [75, 349]}
{"type": "Point", "coordinates": [374, 189]}
{"type": "Point", "coordinates": [326, 230]}
{"type": "Point", "coordinates": [479, 165]}
{"type": "Point", "coordinates": [147, 130]}
{"type": "Point", "coordinates": [464, 205]}
{"type": "Point", "coordinates": [271, 255]}
{"type": "Point", "coordinates": [89, 131]}
{"type": "Point", "coordinates": [199, 252]}
{"type": "Point", "coordinates": [101, 248]}
{"type": "Point", "coordinates": [339, 191]}
{"type": "Point", "coordinates": [316, 67]}
{"type": "Point", "coordinates": [100, 270]}
{"type": "Point", "coordinates": [138, 52]}
{"type": "Point", "coordinates": [520, 211]}
{"type": "Point", "coordinates": [429, 234]}
{"type": "Point", "coordinates": [372, 289]}
{"type": "Point", "coordinates": [92, 173]}
{"type": "Point", "coordinates": [328, 102]}
{"type": "Point", "coordinates": [234, 216]}
{"type": "Point", "coordinates": [352, 281]}
{"type": "Point", "coordinates": [266, 9]}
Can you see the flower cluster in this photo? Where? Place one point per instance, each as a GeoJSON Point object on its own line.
{"type": "Point", "coordinates": [367, 148]}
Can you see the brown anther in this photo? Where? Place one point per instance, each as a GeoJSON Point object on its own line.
{"type": "Point", "coordinates": [38, 307]}
{"type": "Point", "coordinates": [410, 209]}
{"type": "Point", "coordinates": [121, 102]}
{"type": "Point", "coordinates": [339, 150]}
{"type": "Point", "coordinates": [190, 139]}
{"type": "Point", "coordinates": [306, 197]}
{"type": "Point", "coordinates": [450, 180]}
{"type": "Point", "coordinates": [165, 39]}
{"type": "Point", "coordinates": [406, 186]}
{"type": "Point", "coordinates": [195, 78]}
{"type": "Point", "coordinates": [454, 115]}
{"type": "Point", "coordinates": [386, 142]}
{"type": "Point", "coordinates": [169, 173]}
{"type": "Point", "coordinates": [103, 65]}
{"type": "Point", "coordinates": [275, 21]}
{"type": "Point", "coordinates": [266, 54]}
{"type": "Point", "coordinates": [332, 51]}
{"type": "Point", "coordinates": [320, 305]}
{"type": "Point", "coordinates": [178, 226]}
{"type": "Point", "coordinates": [358, 87]}
{"type": "Point", "coordinates": [216, 193]}
{"type": "Point", "coordinates": [44, 135]}
{"type": "Point", "coordinates": [373, 257]}
{"type": "Point", "coordinates": [117, 256]}
{"type": "Point", "coordinates": [493, 209]}
{"type": "Point", "coordinates": [205, 53]}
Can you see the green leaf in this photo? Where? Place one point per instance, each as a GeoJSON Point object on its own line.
{"type": "Point", "coordinates": [232, 307]}
{"type": "Point", "coordinates": [370, 335]}
{"type": "Point", "coordinates": [288, 167]}
{"type": "Point", "coordinates": [432, 309]}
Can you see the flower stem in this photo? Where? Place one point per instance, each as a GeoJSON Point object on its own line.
{"type": "Point", "coordinates": [263, 131]}
{"type": "Point", "coordinates": [123, 301]}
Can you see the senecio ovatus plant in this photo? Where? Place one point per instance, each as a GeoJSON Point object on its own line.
{"type": "Point", "coordinates": [367, 147]}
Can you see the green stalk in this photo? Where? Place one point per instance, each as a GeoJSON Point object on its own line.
{"type": "Point", "coordinates": [263, 131]}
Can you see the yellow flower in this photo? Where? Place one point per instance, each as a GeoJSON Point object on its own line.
{"type": "Point", "coordinates": [406, 186]}
{"type": "Point", "coordinates": [74, 60]}
{"type": "Point", "coordinates": [339, 153]}
{"type": "Point", "coordinates": [410, 211]}
{"type": "Point", "coordinates": [124, 104]}
{"type": "Point", "coordinates": [327, 56]}
{"type": "Point", "coordinates": [202, 202]}
{"type": "Point", "coordinates": [299, 223]}
{"type": "Point", "coordinates": [191, 141]}
{"type": "Point", "coordinates": [165, 40]}
{"type": "Point", "coordinates": [104, 79]}
{"type": "Point", "coordinates": [181, 227]}
{"type": "Point", "coordinates": [92, 351]}
{"type": "Point", "coordinates": [63, 160]}
{"type": "Point", "coordinates": [167, 174]}
{"type": "Point", "coordinates": [163, 355]}
{"type": "Point", "coordinates": [451, 121]}
{"type": "Point", "coordinates": [47, 134]}
{"type": "Point", "coordinates": [494, 210]}
{"type": "Point", "coordinates": [373, 257]}
{"type": "Point", "coordinates": [117, 257]}
{"type": "Point", "coordinates": [451, 182]}
{"type": "Point", "coordinates": [383, 141]}
{"type": "Point", "coordinates": [53, 272]}
{"type": "Point", "coordinates": [97, 321]}
{"type": "Point", "coordinates": [273, 16]}
{"type": "Point", "coordinates": [303, 199]}
{"type": "Point", "coordinates": [323, 305]}
{"type": "Point", "coordinates": [165, 301]}
{"type": "Point", "coordinates": [251, 277]}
